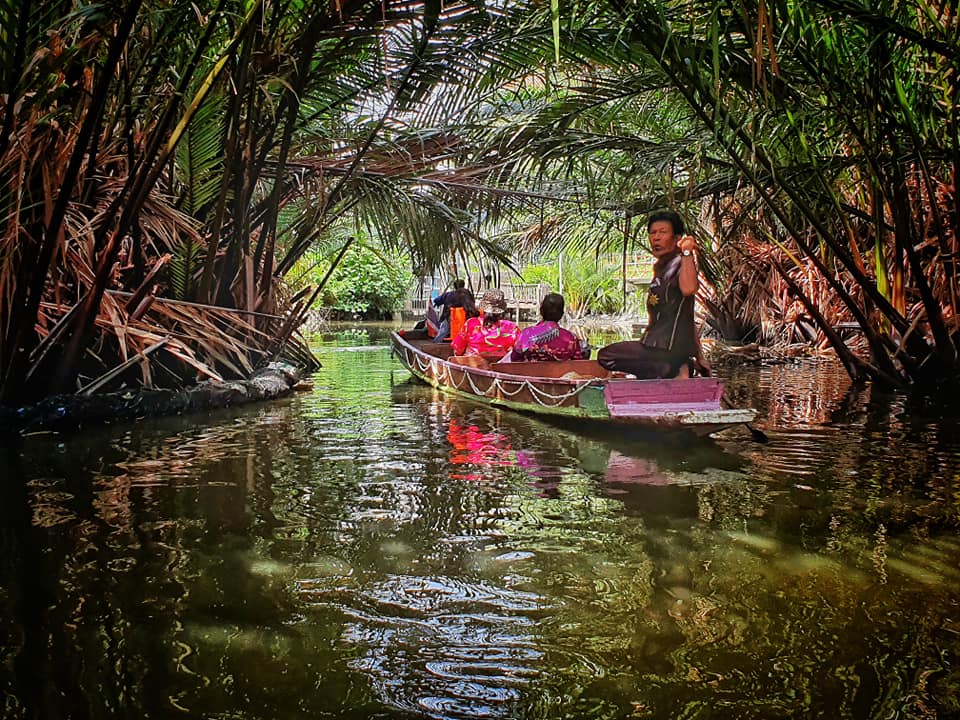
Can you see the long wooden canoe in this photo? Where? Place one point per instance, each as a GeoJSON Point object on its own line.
{"type": "Point", "coordinates": [578, 389]}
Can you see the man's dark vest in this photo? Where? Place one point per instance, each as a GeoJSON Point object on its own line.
{"type": "Point", "coordinates": [670, 313]}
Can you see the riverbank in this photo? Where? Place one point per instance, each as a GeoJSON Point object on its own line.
{"type": "Point", "coordinates": [63, 413]}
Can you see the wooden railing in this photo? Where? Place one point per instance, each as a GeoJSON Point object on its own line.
{"type": "Point", "coordinates": [639, 266]}
{"type": "Point", "coordinates": [525, 296]}
{"type": "Point", "coordinates": [519, 296]}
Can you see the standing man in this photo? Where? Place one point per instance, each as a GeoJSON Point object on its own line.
{"type": "Point", "coordinates": [670, 344]}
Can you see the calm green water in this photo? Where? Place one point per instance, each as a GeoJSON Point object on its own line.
{"type": "Point", "coordinates": [373, 549]}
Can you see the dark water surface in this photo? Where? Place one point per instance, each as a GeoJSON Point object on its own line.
{"type": "Point", "coordinates": [374, 549]}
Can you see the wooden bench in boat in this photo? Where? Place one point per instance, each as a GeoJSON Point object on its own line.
{"type": "Point", "coordinates": [656, 397]}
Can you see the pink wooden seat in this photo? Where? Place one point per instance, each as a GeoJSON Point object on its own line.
{"type": "Point", "coordinates": [655, 397]}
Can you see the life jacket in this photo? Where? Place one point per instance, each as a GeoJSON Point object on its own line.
{"type": "Point", "coordinates": [458, 316]}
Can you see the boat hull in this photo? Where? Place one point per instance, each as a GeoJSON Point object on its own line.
{"type": "Point", "coordinates": [578, 390]}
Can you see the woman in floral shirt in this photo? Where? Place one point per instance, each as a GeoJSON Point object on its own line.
{"type": "Point", "coordinates": [546, 340]}
{"type": "Point", "coordinates": [490, 336]}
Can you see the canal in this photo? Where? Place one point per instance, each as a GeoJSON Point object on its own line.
{"type": "Point", "coordinates": [375, 549]}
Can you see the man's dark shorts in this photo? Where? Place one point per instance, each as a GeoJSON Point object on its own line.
{"type": "Point", "coordinates": [636, 358]}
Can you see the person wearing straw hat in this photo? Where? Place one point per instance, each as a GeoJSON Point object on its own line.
{"type": "Point", "coordinates": [491, 336]}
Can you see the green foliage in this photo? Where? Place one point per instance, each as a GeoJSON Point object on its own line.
{"type": "Point", "coordinates": [590, 285]}
{"type": "Point", "coordinates": [368, 284]}
{"type": "Point", "coordinates": [547, 274]}
{"type": "Point", "coordinates": [184, 265]}
{"type": "Point", "coordinates": [439, 134]}
{"type": "Point", "coordinates": [199, 158]}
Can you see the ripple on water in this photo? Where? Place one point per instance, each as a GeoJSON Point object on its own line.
{"type": "Point", "coordinates": [797, 452]}
{"type": "Point", "coordinates": [444, 647]}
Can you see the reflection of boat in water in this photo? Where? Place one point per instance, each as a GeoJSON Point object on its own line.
{"type": "Point", "coordinates": [578, 389]}
{"type": "Point", "coordinates": [482, 442]}
{"type": "Point", "coordinates": [470, 445]}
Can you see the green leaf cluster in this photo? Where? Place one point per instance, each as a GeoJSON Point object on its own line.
{"type": "Point", "coordinates": [367, 284]}
{"type": "Point", "coordinates": [590, 285]}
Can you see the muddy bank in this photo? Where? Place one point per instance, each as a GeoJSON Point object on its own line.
{"type": "Point", "coordinates": [72, 412]}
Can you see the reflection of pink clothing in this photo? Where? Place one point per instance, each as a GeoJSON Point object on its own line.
{"type": "Point", "coordinates": [472, 446]}
{"type": "Point", "coordinates": [546, 341]}
{"type": "Point", "coordinates": [491, 342]}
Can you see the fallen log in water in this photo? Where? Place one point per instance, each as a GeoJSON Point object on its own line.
{"type": "Point", "coordinates": [73, 412]}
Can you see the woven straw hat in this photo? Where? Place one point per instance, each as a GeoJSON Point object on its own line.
{"type": "Point", "coordinates": [492, 301]}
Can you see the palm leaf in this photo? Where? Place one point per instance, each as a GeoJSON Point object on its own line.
{"type": "Point", "coordinates": [199, 158]}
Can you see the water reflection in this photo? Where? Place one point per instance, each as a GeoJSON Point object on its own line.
{"type": "Point", "coordinates": [471, 446]}
{"type": "Point", "coordinates": [481, 437]}
{"type": "Point", "coordinates": [377, 549]}
{"type": "Point", "coordinates": [446, 647]}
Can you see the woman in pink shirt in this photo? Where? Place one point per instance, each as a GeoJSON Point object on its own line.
{"type": "Point", "coordinates": [490, 336]}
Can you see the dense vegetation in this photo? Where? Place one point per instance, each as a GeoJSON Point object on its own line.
{"type": "Point", "coordinates": [158, 151]}
{"type": "Point", "coordinates": [365, 284]}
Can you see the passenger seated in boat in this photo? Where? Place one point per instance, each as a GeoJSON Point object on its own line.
{"type": "Point", "coordinates": [490, 336]}
{"type": "Point", "coordinates": [462, 308]}
{"type": "Point", "coordinates": [670, 343]}
{"type": "Point", "coordinates": [460, 298]}
{"type": "Point", "coordinates": [547, 340]}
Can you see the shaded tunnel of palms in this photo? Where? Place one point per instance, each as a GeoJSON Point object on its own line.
{"type": "Point", "coordinates": [197, 153]}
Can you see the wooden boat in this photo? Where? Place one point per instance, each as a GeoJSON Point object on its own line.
{"type": "Point", "coordinates": [577, 389]}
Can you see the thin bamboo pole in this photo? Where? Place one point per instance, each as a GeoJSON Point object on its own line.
{"type": "Point", "coordinates": [623, 264]}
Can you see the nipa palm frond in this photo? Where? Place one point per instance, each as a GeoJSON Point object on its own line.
{"type": "Point", "coordinates": [199, 158]}
{"type": "Point", "coordinates": [184, 266]}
